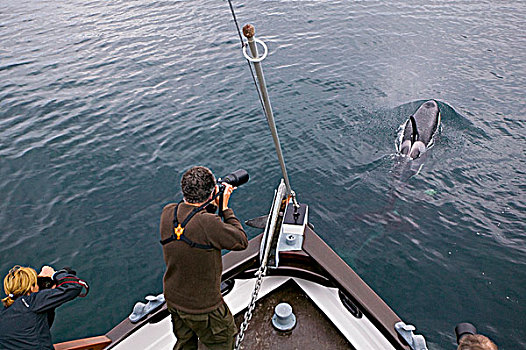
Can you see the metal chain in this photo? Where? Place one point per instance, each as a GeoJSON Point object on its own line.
{"type": "Point", "coordinates": [248, 314]}
{"type": "Point", "coordinates": [275, 211]}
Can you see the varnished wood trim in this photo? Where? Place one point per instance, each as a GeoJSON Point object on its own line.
{"type": "Point", "coordinates": [237, 261]}
{"type": "Point", "coordinates": [93, 343]}
{"type": "Point", "coordinates": [379, 313]}
{"type": "Point", "coordinates": [318, 262]}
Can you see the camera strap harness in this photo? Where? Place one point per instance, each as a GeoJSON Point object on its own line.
{"type": "Point", "coordinates": [178, 233]}
{"type": "Point", "coordinates": [74, 280]}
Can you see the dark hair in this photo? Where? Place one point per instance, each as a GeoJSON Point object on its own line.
{"type": "Point", "coordinates": [476, 342]}
{"type": "Point", "coordinates": [197, 184]}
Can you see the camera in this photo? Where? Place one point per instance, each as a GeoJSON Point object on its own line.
{"type": "Point", "coordinates": [236, 179]}
{"type": "Point", "coordinates": [45, 282]}
{"type": "Point", "coordinates": [463, 329]}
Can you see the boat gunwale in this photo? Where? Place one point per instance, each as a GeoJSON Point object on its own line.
{"type": "Point", "coordinates": [354, 287]}
{"type": "Point", "coordinates": [317, 262]}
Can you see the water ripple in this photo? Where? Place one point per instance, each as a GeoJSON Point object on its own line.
{"type": "Point", "coordinates": [104, 104]}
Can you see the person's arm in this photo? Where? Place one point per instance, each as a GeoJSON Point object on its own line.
{"type": "Point", "coordinates": [227, 192]}
{"type": "Point", "coordinates": [68, 287]}
{"type": "Point", "coordinates": [228, 234]}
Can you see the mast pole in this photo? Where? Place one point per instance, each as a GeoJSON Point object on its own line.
{"type": "Point", "coordinates": [248, 32]}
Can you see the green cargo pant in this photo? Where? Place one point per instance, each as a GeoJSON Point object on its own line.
{"type": "Point", "coordinates": [215, 329]}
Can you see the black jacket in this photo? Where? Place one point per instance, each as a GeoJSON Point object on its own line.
{"type": "Point", "coordinates": [25, 326]}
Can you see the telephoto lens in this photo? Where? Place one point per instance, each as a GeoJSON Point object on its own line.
{"type": "Point", "coordinates": [237, 178]}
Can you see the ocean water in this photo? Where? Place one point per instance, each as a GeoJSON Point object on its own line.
{"type": "Point", "coordinates": [103, 105]}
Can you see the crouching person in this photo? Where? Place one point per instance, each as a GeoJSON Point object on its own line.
{"type": "Point", "coordinates": [29, 311]}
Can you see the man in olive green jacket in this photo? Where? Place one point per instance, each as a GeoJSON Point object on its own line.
{"type": "Point", "coordinates": [193, 237]}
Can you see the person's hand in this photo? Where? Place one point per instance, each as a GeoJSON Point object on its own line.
{"type": "Point", "coordinates": [47, 271]}
{"type": "Point", "coordinates": [226, 195]}
{"type": "Point", "coordinates": [216, 201]}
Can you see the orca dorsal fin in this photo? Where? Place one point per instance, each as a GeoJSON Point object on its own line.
{"type": "Point", "coordinates": [414, 136]}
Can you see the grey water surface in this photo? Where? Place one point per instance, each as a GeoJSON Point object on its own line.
{"type": "Point", "coordinates": [103, 105]}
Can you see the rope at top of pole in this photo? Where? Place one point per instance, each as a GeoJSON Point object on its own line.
{"type": "Point", "coordinates": [243, 44]}
{"type": "Point", "coordinates": [235, 21]}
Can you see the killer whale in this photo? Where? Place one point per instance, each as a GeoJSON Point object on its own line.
{"type": "Point", "coordinates": [418, 130]}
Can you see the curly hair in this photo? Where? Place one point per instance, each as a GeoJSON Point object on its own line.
{"type": "Point", "coordinates": [476, 342]}
{"type": "Point", "coordinates": [197, 184]}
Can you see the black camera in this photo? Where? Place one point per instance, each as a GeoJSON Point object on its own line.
{"type": "Point", "coordinates": [45, 282]}
{"type": "Point", "coordinates": [463, 329]}
{"type": "Point", "coordinates": [236, 179]}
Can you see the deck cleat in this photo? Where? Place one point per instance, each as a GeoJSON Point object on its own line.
{"type": "Point", "coordinates": [283, 320]}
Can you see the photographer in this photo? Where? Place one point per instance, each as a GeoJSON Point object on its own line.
{"type": "Point", "coordinates": [28, 311]}
{"type": "Point", "coordinates": [476, 342]}
{"type": "Point", "coordinates": [469, 339]}
{"type": "Point", "coordinates": [193, 237]}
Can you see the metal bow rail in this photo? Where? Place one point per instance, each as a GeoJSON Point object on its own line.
{"type": "Point", "coordinates": [272, 227]}
{"type": "Point", "coordinates": [284, 191]}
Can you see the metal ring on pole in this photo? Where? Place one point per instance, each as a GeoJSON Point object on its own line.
{"type": "Point", "coordinates": [259, 59]}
